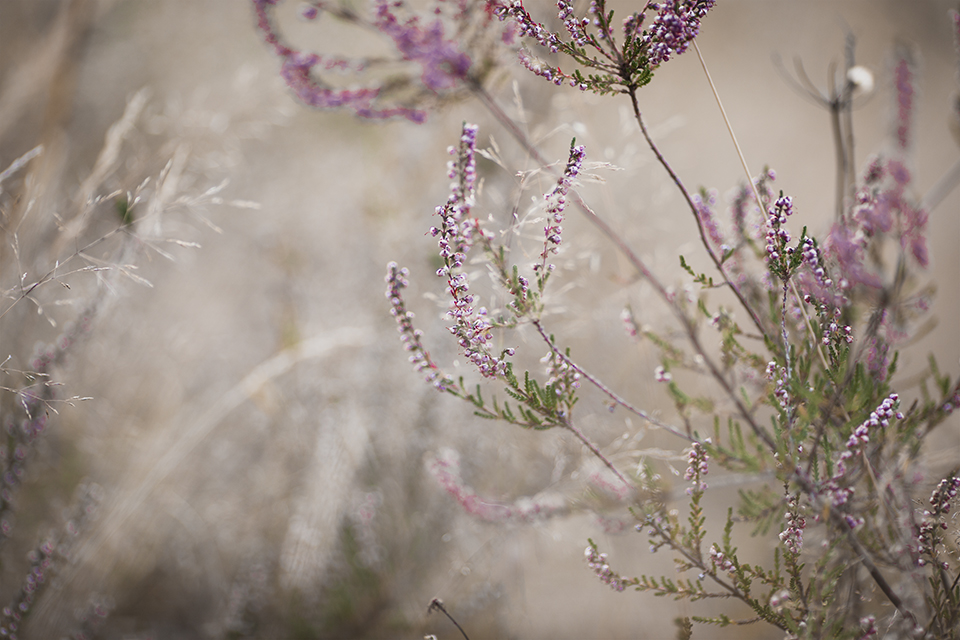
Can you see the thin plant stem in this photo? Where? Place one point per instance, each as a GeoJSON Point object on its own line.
{"type": "Point", "coordinates": [606, 390]}
{"type": "Point", "coordinates": [437, 604]}
{"type": "Point", "coordinates": [693, 208]}
{"type": "Point", "coordinates": [575, 430]}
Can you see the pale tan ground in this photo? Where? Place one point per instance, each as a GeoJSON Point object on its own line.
{"type": "Point", "coordinates": [229, 464]}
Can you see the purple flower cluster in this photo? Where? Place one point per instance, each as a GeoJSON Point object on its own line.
{"type": "Point", "coordinates": [528, 27]}
{"type": "Point", "coordinates": [884, 206]}
{"type": "Point", "coordinates": [598, 563]}
{"type": "Point", "coordinates": [704, 204]}
{"type": "Point", "coordinates": [43, 559]}
{"type": "Point", "coordinates": [41, 563]}
{"type": "Point", "coordinates": [903, 75]}
{"type": "Point", "coordinates": [879, 417]}
{"type": "Point", "coordinates": [720, 561]}
{"type": "Point", "coordinates": [777, 236]}
{"type": "Point", "coordinates": [846, 245]}
{"type": "Point", "coordinates": [445, 468]}
{"type": "Point", "coordinates": [779, 376]}
{"type": "Point", "coordinates": [868, 626]}
{"type": "Point", "coordinates": [942, 496]}
{"type": "Point", "coordinates": [697, 467]}
{"type": "Point", "coordinates": [832, 488]}
{"type": "Point", "coordinates": [444, 66]}
{"type": "Point", "coordinates": [779, 599]}
{"type": "Point", "coordinates": [833, 331]}
{"type": "Point", "coordinates": [813, 259]}
{"type": "Point", "coordinates": [676, 25]}
{"type": "Point", "coordinates": [22, 434]}
{"type": "Point", "coordinates": [940, 501]}
{"type": "Point", "coordinates": [457, 233]}
{"type": "Point", "coordinates": [630, 325]}
{"type": "Point", "coordinates": [792, 535]}
{"type": "Point", "coordinates": [576, 27]}
{"type": "Point", "coordinates": [557, 200]}
{"type": "Point", "coordinates": [296, 71]}
{"type": "Point", "coordinates": [544, 70]}
{"type": "Point", "coordinates": [396, 281]}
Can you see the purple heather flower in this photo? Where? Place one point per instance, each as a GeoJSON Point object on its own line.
{"type": "Point", "coordinates": [943, 495]}
{"type": "Point", "coordinates": [629, 322]}
{"type": "Point", "coordinates": [444, 66]}
{"type": "Point", "coordinates": [778, 599]}
{"type": "Point", "coordinates": [879, 417]}
{"type": "Point", "coordinates": [868, 626]}
{"type": "Point", "coordinates": [859, 438]}
{"type": "Point", "coordinates": [445, 468]}
{"type": "Point", "coordinates": [720, 561]}
{"type": "Point", "coordinates": [457, 233]}
{"type": "Point", "coordinates": [574, 26]}
{"type": "Point", "coordinates": [528, 27]}
{"type": "Point", "coordinates": [308, 11]}
{"type": "Point", "coordinates": [792, 534]}
{"type": "Point", "coordinates": [598, 564]}
{"type": "Point", "coordinates": [557, 200]}
{"type": "Point", "coordinates": [846, 246]}
{"type": "Point", "coordinates": [671, 32]}
{"type": "Point", "coordinates": [397, 281]}
{"type": "Point", "coordinates": [708, 217]}
{"type": "Point", "coordinates": [813, 259]}
{"type": "Point", "coordinates": [697, 467]}
{"type": "Point", "coordinates": [777, 236]}
{"type": "Point", "coordinates": [779, 376]}
{"type": "Point", "coordinates": [933, 519]}
{"type": "Point", "coordinates": [903, 79]}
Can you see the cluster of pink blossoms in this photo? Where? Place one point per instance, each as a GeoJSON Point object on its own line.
{"type": "Point", "coordinates": [833, 488]}
{"type": "Point", "coordinates": [777, 235]}
{"type": "Point", "coordinates": [674, 28]}
{"type": "Point", "coordinates": [445, 468]}
{"type": "Point", "coordinates": [410, 337]}
{"type": "Point", "coordinates": [792, 535]}
{"type": "Point", "coordinates": [940, 501]}
{"type": "Point", "coordinates": [528, 27]}
{"type": "Point", "coordinates": [720, 561]}
{"type": "Point", "coordinates": [697, 467]}
{"type": "Point", "coordinates": [557, 201]}
{"type": "Point", "coordinates": [598, 563]}
{"type": "Point", "coordinates": [879, 417]}
{"type": "Point", "coordinates": [457, 233]}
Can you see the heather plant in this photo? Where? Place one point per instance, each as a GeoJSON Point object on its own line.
{"type": "Point", "coordinates": [800, 350]}
{"type": "Point", "coordinates": [289, 499]}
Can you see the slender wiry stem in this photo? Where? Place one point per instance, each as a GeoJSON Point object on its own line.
{"type": "Point", "coordinates": [606, 390]}
{"type": "Point", "coordinates": [575, 430]}
{"type": "Point", "coordinates": [696, 215]}
{"type": "Point", "coordinates": [437, 604]}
